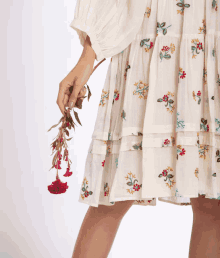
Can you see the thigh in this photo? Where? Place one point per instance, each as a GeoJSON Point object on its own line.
{"type": "Point", "coordinates": [116, 211]}
{"type": "Point", "coordinates": [204, 208]}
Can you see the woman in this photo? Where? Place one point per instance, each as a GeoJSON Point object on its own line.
{"type": "Point", "coordinates": [157, 131]}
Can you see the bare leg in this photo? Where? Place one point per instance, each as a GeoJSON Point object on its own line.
{"type": "Point", "coordinates": [205, 237]}
{"type": "Point", "coordinates": [99, 229]}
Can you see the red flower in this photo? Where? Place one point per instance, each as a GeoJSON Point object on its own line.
{"type": "Point", "coordinates": [86, 194]}
{"type": "Point", "coordinates": [164, 173]}
{"type": "Point", "coordinates": [151, 44]}
{"type": "Point", "coordinates": [136, 187]}
{"type": "Point", "coordinates": [199, 45]}
{"type": "Point", "coordinates": [207, 128]}
{"type": "Point", "coordinates": [117, 97]}
{"type": "Point", "coordinates": [165, 98]}
{"type": "Point", "coordinates": [183, 75]}
{"type": "Point", "coordinates": [165, 48]}
{"type": "Point", "coordinates": [103, 163]}
{"type": "Point", "coordinates": [166, 142]}
{"type": "Point", "coordinates": [199, 93]}
{"type": "Point", "coordinates": [183, 152]}
{"type": "Point", "coordinates": [57, 187]}
{"type": "Point", "coordinates": [68, 173]}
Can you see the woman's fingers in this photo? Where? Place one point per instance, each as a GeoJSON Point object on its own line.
{"type": "Point", "coordinates": [60, 98]}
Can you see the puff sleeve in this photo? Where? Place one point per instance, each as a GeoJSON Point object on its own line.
{"type": "Point", "coordinates": [111, 24]}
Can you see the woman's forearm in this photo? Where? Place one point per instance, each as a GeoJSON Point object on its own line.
{"type": "Point", "coordinates": [88, 52]}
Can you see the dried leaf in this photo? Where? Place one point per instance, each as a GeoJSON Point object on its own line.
{"type": "Point", "coordinates": [56, 124]}
{"type": "Point", "coordinates": [77, 117]}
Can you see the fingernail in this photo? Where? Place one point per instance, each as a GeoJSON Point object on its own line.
{"type": "Point", "coordinates": [71, 105]}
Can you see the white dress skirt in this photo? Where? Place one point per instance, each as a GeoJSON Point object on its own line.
{"type": "Point", "coordinates": [157, 131]}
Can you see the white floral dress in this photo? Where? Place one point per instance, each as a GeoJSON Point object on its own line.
{"type": "Point", "coordinates": [157, 131]}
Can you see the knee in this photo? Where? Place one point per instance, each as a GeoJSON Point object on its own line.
{"type": "Point", "coordinates": [206, 210]}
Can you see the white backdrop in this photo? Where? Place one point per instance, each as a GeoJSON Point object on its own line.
{"type": "Point", "coordinates": [38, 49]}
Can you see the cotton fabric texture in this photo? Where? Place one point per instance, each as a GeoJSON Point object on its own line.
{"type": "Point", "coordinates": [157, 131]}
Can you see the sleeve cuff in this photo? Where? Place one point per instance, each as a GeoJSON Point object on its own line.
{"type": "Point", "coordinates": [84, 30]}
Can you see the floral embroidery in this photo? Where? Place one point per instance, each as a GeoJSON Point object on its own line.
{"type": "Point", "coordinates": [167, 142]}
{"type": "Point", "coordinates": [168, 101]}
{"type": "Point", "coordinates": [213, 52]}
{"type": "Point", "coordinates": [218, 81]}
{"type": "Point", "coordinates": [103, 163]}
{"type": "Point", "coordinates": [196, 172]}
{"type": "Point", "coordinates": [198, 96]}
{"type": "Point", "coordinates": [148, 11]}
{"type": "Point", "coordinates": [137, 146]}
{"type": "Point", "coordinates": [141, 89]}
{"type": "Point", "coordinates": [106, 189]}
{"type": "Point", "coordinates": [166, 50]}
{"type": "Point", "coordinates": [105, 95]}
{"type": "Point", "coordinates": [134, 187]}
{"type": "Point", "coordinates": [204, 125]}
{"type": "Point", "coordinates": [84, 189]}
{"type": "Point", "coordinates": [177, 194]}
{"type": "Point", "coordinates": [116, 161]}
{"type": "Point", "coordinates": [179, 123]}
{"type": "Point", "coordinates": [143, 201]}
{"type": "Point", "coordinates": [123, 114]}
{"type": "Point", "coordinates": [160, 28]}
{"type": "Point", "coordinates": [116, 96]}
{"type": "Point", "coordinates": [181, 4]}
{"type": "Point", "coordinates": [214, 5]}
{"type": "Point", "coordinates": [218, 155]}
{"type": "Point", "coordinates": [202, 150]}
{"type": "Point", "coordinates": [198, 45]}
{"type": "Point", "coordinates": [148, 46]}
{"type": "Point", "coordinates": [218, 122]}
{"type": "Point", "coordinates": [168, 177]}
{"type": "Point", "coordinates": [138, 133]}
{"type": "Point", "coordinates": [182, 74]}
{"type": "Point", "coordinates": [181, 151]}
{"type": "Point", "coordinates": [127, 67]}
{"type": "Point", "coordinates": [203, 29]}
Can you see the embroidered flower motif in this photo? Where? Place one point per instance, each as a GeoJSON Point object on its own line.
{"type": "Point", "coordinates": [147, 12]}
{"type": "Point", "coordinates": [196, 172]}
{"type": "Point", "coordinates": [133, 187]}
{"type": "Point", "coordinates": [84, 189]}
{"type": "Point", "coordinates": [183, 5]}
{"type": "Point", "coordinates": [197, 95]}
{"type": "Point", "coordinates": [198, 45]}
{"type": "Point", "coordinates": [166, 50]}
{"type": "Point", "coordinates": [203, 29]}
{"type": "Point", "coordinates": [218, 155]}
{"type": "Point", "coordinates": [215, 5]}
{"type": "Point", "coordinates": [182, 73]}
{"type": "Point", "coordinates": [116, 96]}
{"type": "Point", "coordinates": [165, 173]}
{"type": "Point", "coordinates": [169, 101]}
{"type": "Point", "coordinates": [141, 89]}
{"type": "Point", "coordinates": [127, 67]}
{"type": "Point", "coordinates": [179, 123]}
{"type": "Point", "coordinates": [204, 125]}
{"type": "Point", "coordinates": [123, 114]}
{"type": "Point", "coordinates": [148, 46]}
{"type": "Point", "coordinates": [218, 122]}
{"type": "Point", "coordinates": [181, 151]}
{"type": "Point", "coordinates": [160, 27]}
{"type": "Point", "coordinates": [167, 142]}
{"type": "Point", "coordinates": [106, 189]}
{"type": "Point", "coordinates": [105, 95]}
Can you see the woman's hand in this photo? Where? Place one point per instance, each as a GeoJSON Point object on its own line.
{"type": "Point", "coordinates": [76, 78]}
